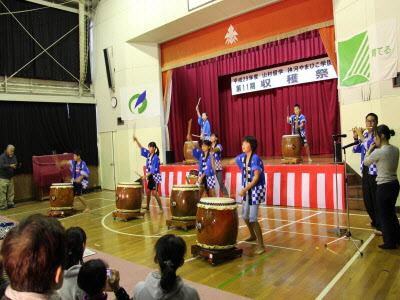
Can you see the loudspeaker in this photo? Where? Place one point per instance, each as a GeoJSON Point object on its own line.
{"type": "Point", "coordinates": [338, 153]}
{"type": "Point", "coordinates": [109, 67]}
{"type": "Point", "coordinates": [170, 157]}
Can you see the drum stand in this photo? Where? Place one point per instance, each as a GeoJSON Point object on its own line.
{"type": "Point", "coordinates": [61, 213]}
{"type": "Point", "coordinates": [348, 234]}
{"type": "Point", "coordinates": [127, 215]}
{"type": "Point", "coordinates": [294, 160]}
{"type": "Point", "coordinates": [216, 257]}
{"type": "Point", "coordinates": [185, 224]}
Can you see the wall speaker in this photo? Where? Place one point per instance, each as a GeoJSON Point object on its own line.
{"type": "Point", "coordinates": [337, 153]}
{"type": "Point", "coordinates": [170, 157]}
{"type": "Point", "coordinates": [108, 59]}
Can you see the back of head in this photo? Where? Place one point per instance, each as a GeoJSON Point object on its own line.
{"type": "Point", "coordinates": [383, 129]}
{"type": "Point", "coordinates": [32, 252]}
{"type": "Point", "coordinates": [170, 253]}
{"type": "Point", "coordinates": [76, 241]}
{"type": "Point", "coordinates": [252, 141]}
{"type": "Point", "coordinates": [92, 277]}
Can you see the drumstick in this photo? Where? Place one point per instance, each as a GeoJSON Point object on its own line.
{"type": "Point", "coordinates": [189, 126]}
{"type": "Point", "coordinates": [198, 102]}
{"type": "Point", "coordinates": [288, 114]}
{"type": "Point", "coordinates": [199, 136]}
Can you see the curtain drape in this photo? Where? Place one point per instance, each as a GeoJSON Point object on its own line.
{"type": "Point", "coordinates": [46, 25]}
{"type": "Point", "coordinates": [40, 128]}
{"type": "Point", "coordinates": [328, 38]}
{"type": "Point", "coordinates": [262, 113]}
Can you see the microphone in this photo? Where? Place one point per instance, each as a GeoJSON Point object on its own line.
{"type": "Point", "coordinates": [339, 135]}
{"type": "Point", "coordinates": [350, 145]}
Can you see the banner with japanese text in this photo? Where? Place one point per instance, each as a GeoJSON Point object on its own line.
{"type": "Point", "coordinates": [140, 102]}
{"type": "Point", "coordinates": [368, 56]}
{"type": "Point", "coordinates": [298, 73]}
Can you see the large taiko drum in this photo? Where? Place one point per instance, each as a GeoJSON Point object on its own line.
{"type": "Point", "coordinates": [187, 150]}
{"type": "Point", "coordinates": [183, 201]}
{"type": "Point", "coordinates": [217, 223]}
{"type": "Point", "coordinates": [61, 197]}
{"type": "Point", "coordinates": [291, 146]}
{"type": "Point", "coordinates": [128, 197]}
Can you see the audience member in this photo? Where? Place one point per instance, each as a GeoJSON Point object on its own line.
{"type": "Point", "coordinates": [76, 243]}
{"type": "Point", "coordinates": [93, 278]}
{"type": "Point", "coordinates": [164, 283]}
{"type": "Point", "coordinates": [3, 282]}
{"type": "Point", "coordinates": [33, 257]}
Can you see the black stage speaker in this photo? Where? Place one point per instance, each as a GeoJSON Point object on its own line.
{"type": "Point", "coordinates": [338, 153]}
{"type": "Point", "coordinates": [170, 157]}
{"type": "Point", "coordinates": [109, 67]}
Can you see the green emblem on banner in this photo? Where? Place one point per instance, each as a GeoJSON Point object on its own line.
{"type": "Point", "coordinates": [354, 60]}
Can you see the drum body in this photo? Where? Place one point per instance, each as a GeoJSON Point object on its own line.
{"type": "Point", "coordinates": [183, 201]}
{"type": "Point", "coordinates": [187, 150]}
{"type": "Point", "coordinates": [61, 196]}
{"type": "Point", "coordinates": [128, 197]}
{"type": "Point", "coordinates": [291, 146]}
{"type": "Point", "coordinates": [217, 223]}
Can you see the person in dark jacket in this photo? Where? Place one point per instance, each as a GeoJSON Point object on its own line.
{"type": "Point", "coordinates": [8, 164]}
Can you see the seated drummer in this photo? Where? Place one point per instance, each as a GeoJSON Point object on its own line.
{"type": "Point", "coordinates": [206, 177]}
{"type": "Point", "coordinates": [298, 122]}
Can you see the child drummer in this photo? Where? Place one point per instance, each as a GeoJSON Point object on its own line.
{"type": "Point", "coordinates": [206, 177]}
{"type": "Point", "coordinates": [254, 190]}
{"type": "Point", "coordinates": [298, 122]}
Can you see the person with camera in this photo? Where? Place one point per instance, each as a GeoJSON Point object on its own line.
{"type": "Point", "coordinates": [8, 164]}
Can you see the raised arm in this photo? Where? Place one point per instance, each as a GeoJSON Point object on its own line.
{"type": "Point", "coordinates": [198, 112]}
{"type": "Point", "coordinates": [137, 142]}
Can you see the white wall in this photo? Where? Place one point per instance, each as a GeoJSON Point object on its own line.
{"type": "Point", "coordinates": [353, 16]}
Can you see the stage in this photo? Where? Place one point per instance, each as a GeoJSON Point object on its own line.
{"type": "Point", "coordinates": [310, 184]}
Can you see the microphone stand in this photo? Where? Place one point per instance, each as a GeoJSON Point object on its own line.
{"type": "Point", "coordinates": [339, 231]}
{"type": "Point", "coordinates": [348, 232]}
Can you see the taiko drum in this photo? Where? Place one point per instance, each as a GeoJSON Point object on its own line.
{"type": "Point", "coordinates": [217, 223]}
{"type": "Point", "coordinates": [128, 197]}
{"type": "Point", "coordinates": [291, 146]}
{"type": "Point", "coordinates": [187, 150]}
{"type": "Point", "coordinates": [183, 201]}
{"type": "Point", "coordinates": [61, 196]}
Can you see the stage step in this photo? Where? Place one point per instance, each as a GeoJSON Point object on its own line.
{"type": "Point", "coordinates": [354, 191]}
{"type": "Point", "coordinates": [356, 204]}
{"type": "Point", "coordinates": [354, 179]}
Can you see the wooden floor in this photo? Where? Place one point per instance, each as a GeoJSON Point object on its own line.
{"type": "Point", "coordinates": [296, 264]}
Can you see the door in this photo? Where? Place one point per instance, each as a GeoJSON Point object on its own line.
{"type": "Point", "coordinates": [107, 160]}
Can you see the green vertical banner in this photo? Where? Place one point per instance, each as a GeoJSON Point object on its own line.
{"type": "Point", "coordinates": [369, 56]}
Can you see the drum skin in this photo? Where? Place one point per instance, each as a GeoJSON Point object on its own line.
{"type": "Point", "coordinates": [183, 201]}
{"type": "Point", "coordinates": [62, 196]}
{"type": "Point", "coordinates": [291, 146]}
{"type": "Point", "coordinates": [217, 223]}
{"type": "Point", "coordinates": [187, 150]}
{"type": "Point", "coordinates": [128, 197]}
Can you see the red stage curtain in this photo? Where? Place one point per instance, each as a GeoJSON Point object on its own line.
{"type": "Point", "coordinates": [262, 114]}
